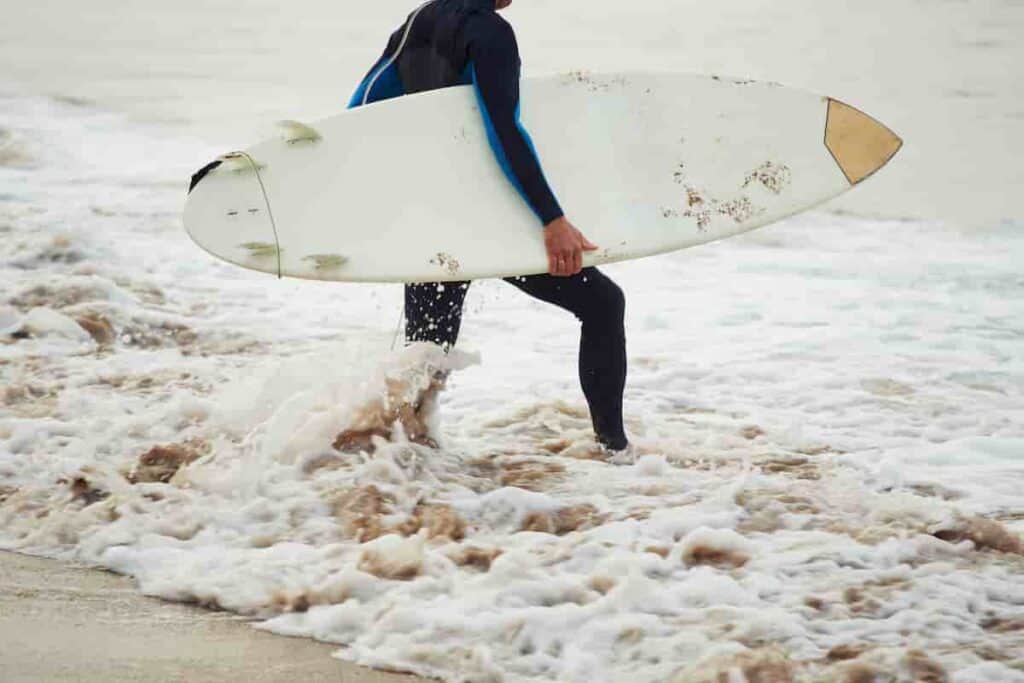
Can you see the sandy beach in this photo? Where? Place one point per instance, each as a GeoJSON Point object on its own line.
{"type": "Point", "coordinates": [60, 622]}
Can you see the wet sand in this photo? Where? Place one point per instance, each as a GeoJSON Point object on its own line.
{"type": "Point", "coordinates": [59, 622]}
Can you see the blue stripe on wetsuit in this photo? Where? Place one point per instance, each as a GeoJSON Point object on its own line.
{"type": "Point", "coordinates": [495, 65]}
{"type": "Point", "coordinates": [387, 86]}
{"type": "Point", "coordinates": [496, 146]}
{"type": "Point", "coordinates": [493, 69]}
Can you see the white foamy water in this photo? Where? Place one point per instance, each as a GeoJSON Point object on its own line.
{"type": "Point", "coordinates": [829, 412]}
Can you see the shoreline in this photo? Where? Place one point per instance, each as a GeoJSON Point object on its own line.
{"type": "Point", "coordinates": [64, 622]}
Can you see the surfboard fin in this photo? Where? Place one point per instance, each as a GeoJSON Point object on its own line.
{"type": "Point", "coordinates": [294, 131]}
{"type": "Point", "coordinates": [238, 162]}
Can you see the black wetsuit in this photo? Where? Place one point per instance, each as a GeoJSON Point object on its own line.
{"type": "Point", "coordinates": [464, 42]}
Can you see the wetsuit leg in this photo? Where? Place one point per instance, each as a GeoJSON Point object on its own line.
{"type": "Point", "coordinates": [600, 306]}
{"type": "Point", "coordinates": [433, 312]}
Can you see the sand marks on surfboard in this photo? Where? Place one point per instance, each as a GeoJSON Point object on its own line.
{"type": "Point", "coordinates": [704, 207]}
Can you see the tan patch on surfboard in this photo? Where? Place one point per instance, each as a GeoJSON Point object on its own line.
{"type": "Point", "coordinates": [859, 144]}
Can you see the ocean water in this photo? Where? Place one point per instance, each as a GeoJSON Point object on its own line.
{"type": "Point", "coordinates": [945, 74]}
{"type": "Point", "coordinates": [829, 412]}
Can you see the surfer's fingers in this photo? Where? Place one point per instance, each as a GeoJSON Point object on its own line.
{"type": "Point", "coordinates": [577, 260]}
{"type": "Point", "coordinates": [565, 260]}
{"type": "Point", "coordinates": [587, 244]}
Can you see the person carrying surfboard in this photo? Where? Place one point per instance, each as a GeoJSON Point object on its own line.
{"type": "Point", "coordinates": [444, 43]}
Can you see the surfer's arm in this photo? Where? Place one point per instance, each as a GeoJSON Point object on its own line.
{"type": "Point", "coordinates": [382, 80]}
{"type": "Point", "coordinates": [495, 65]}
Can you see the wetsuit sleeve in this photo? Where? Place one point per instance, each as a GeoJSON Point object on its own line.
{"type": "Point", "coordinates": [384, 79]}
{"type": "Point", "coordinates": [495, 65]}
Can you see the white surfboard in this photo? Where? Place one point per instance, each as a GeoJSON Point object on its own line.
{"type": "Point", "coordinates": [408, 190]}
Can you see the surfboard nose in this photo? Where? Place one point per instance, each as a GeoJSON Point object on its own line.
{"type": "Point", "coordinates": [859, 144]}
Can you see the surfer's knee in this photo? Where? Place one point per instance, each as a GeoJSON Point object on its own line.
{"type": "Point", "coordinates": [602, 305]}
{"type": "Point", "coordinates": [612, 302]}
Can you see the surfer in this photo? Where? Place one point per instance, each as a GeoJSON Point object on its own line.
{"type": "Point", "coordinates": [444, 43]}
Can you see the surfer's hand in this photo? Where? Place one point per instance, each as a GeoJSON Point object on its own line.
{"type": "Point", "coordinates": [565, 245]}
